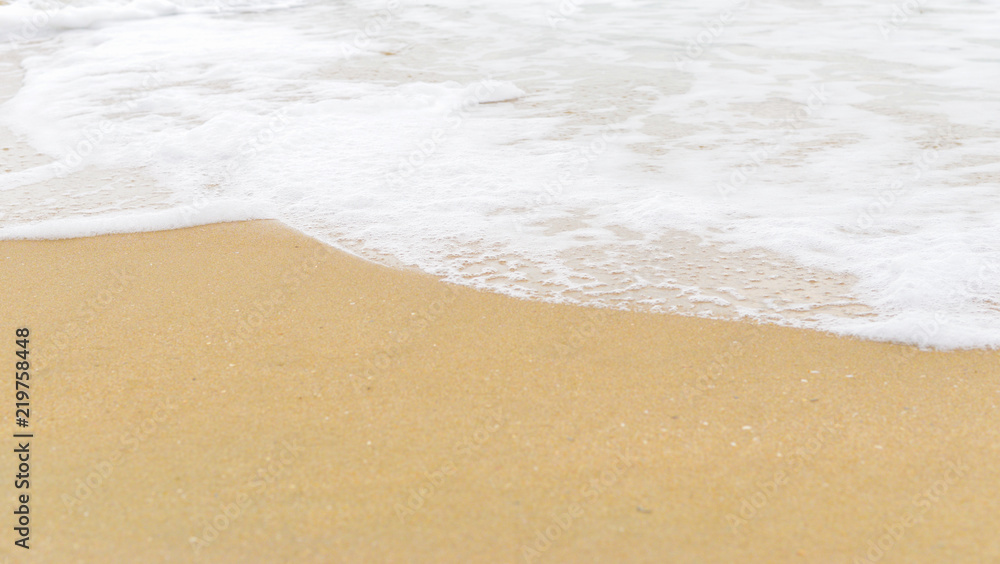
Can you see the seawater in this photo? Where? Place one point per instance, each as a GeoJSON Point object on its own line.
{"type": "Point", "coordinates": [825, 164]}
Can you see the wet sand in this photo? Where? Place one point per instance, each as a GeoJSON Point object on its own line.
{"type": "Point", "coordinates": [241, 393]}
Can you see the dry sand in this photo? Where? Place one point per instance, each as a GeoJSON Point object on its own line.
{"type": "Point", "coordinates": [241, 393]}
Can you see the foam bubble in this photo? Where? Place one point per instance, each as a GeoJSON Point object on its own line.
{"type": "Point", "coordinates": [666, 157]}
{"type": "Point", "coordinates": [202, 213]}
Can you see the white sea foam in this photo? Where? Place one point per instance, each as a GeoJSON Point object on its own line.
{"type": "Point", "coordinates": [831, 165]}
{"type": "Point", "coordinates": [217, 211]}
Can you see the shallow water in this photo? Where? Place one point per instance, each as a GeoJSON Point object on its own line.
{"type": "Point", "coordinates": [824, 164]}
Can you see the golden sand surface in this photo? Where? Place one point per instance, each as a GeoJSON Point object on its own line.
{"type": "Point", "coordinates": [242, 393]}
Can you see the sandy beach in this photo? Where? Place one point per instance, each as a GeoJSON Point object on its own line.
{"type": "Point", "coordinates": [239, 392]}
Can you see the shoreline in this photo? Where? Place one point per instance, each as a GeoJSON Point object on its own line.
{"type": "Point", "coordinates": [328, 408]}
